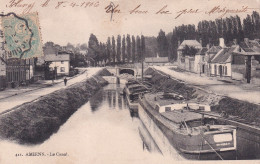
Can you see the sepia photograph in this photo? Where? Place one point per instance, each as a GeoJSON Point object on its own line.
{"type": "Point", "coordinates": [129, 82]}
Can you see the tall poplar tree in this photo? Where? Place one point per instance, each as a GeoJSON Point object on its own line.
{"type": "Point", "coordinates": [123, 49]}
{"type": "Point", "coordinates": [118, 52]}
{"type": "Point", "coordinates": [113, 50]}
{"type": "Point", "coordinates": [128, 49]}
{"type": "Point", "coordinates": [133, 49]}
{"type": "Point", "coordinates": [138, 48]}
{"type": "Point", "coordinates": [108, 47]}
{"type": "Point", "coordinates": [143, 48]}
{"type": "Point", "coordinates": [162, 44]}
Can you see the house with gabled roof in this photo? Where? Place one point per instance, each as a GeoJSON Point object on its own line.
{"type": "Point", "coordinates": [59, 61]}
{"type": "Point", "coordinates": [210, 54]}
{"type": "Point", "coordinates": [184, 60]}
{"type": "Point", "coordinates": [220, 64]}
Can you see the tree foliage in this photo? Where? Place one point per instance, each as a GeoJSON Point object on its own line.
{"type": "Point", "coordinates": [142, 48]}
{"type": "Point", "coordinates": [133, 49]}
{"type": "Point", "coordinates": [113, 50]}
{"type": "Point", "coordinates": [162, 44]}
{"type": "Point", "coordinates": [128, 49]}
{"type": "Point", "coordinates": [138, 48]}
{"type": "Point", "coordinates": [190, 51]}
{"type": "Point", "coordinates": [108, 50]}
{"type": "Point", "coordinates": [118, 52]}
{"type": "Point", "coordinates": [94, 49]}
{"type": "Point", "coordinates": [123, 49]}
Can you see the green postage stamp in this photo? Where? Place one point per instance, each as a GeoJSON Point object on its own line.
{"type": "Point", "coordinates": [22, 35]}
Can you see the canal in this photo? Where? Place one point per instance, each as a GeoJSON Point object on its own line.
{"type": "Point", "coordinates": [103, 130]}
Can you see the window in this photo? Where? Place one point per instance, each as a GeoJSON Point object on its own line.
{"type": "Point", "coordinates": [62, 62]}
{"type": "Point", "coordinates": [62, 69]}
{"type": "Point", "coordinates": [225, 70]}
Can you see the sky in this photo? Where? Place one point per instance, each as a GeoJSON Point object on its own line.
{"type": "Point", "coordinates": [65, 23]}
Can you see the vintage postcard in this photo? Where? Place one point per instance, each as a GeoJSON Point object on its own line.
{"type": "Point", "coordinates": [129, 82]}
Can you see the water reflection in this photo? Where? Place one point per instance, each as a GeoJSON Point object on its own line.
{"type": "Point", "coordinates": [110, 96]}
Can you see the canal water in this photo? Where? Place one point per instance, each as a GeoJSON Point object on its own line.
{"type": "Point", "coordinates": [101, 131]}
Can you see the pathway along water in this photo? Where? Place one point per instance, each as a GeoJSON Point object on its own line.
{"type": "Point", "coordinates": [101, 131]}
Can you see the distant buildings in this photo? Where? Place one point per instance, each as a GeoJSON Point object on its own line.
{"type": "Point", "coordinates": [238, 61]}
{"type": "Point", "coordinates": [156, 60]}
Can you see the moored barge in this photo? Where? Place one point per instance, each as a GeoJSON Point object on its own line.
{"type": "Point", "coordinates": [132, 91]}
{"type": "Point", "coordinates": [177, 124]}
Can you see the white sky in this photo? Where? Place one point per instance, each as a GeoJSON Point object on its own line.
{"type": "Point", "coordinates": [74, 25]}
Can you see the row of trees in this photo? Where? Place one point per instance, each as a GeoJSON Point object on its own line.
{"type": "Point", "coordinates": [127, 49]}
{"type": "Point", "coordinates": [209, 32]}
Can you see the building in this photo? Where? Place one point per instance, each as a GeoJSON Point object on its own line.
{"type": "Point", "coordinates": [57, 60]}
{"type": "Point", "coordinates": [185, 61]}
{"type": "Point", "coordinates": [246, 61]}
{"type": "Point", "coordinates": [239, 61]}
{"type": "Point", "coordinates": [2, 67]}
{"type": "Point", "coordinates": [60, 63]}
{"type": "Point", "coordinates": [200, 63]}
{"type": "Point", "coordinates": [156, 60]}
{"type": "Point", "coordinates": [212, 51]}
{"type": "Point", "coordinates": [2, 73]}
{"type": "Point", "coordinates": [2, 63]}
{"type": "Point", "coordinates": [210, 54]}
{"type": "Point", "coordinates": [220, 64]}
{"type": "Point", "coordinates": [19, 70]}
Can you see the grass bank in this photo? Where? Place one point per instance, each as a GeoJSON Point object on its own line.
{"type": "Point", "coordinates": [36, 121]}
{"type": "Point", "coordinates": [242, 109]}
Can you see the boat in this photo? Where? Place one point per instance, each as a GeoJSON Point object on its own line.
{"type": "Point", "coordinates": [132, 91]}
{"type": "Point", "coordinates": [186, 127]}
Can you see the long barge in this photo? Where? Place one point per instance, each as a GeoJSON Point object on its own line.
{"type": "Point", "coordinates": [176, 126]}
{"type": "Point", "coordinates": [132, 91]}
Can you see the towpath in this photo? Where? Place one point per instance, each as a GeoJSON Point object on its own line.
{"type": "Point", "coordinates": [230, 88]}
{"type": "Point", "coordinates": [10, 99]}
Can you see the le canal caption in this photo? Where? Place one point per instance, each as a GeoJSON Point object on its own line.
{"type": "Point", "coordinates": [42, 154]}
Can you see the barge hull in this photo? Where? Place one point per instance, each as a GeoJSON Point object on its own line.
{"type": "Point", "coordinates": [167, 148]}
{"type": "Point", "coordinates": [158, 136]}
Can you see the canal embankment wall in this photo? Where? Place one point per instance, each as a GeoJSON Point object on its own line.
{"type": "Point", "coordinates": [34, 122]}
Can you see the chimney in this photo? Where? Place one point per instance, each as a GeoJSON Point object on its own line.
{"type": "Point", "coordinates": [222, 42]}
{"type": "Point", "coordinates": [235, 41]}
